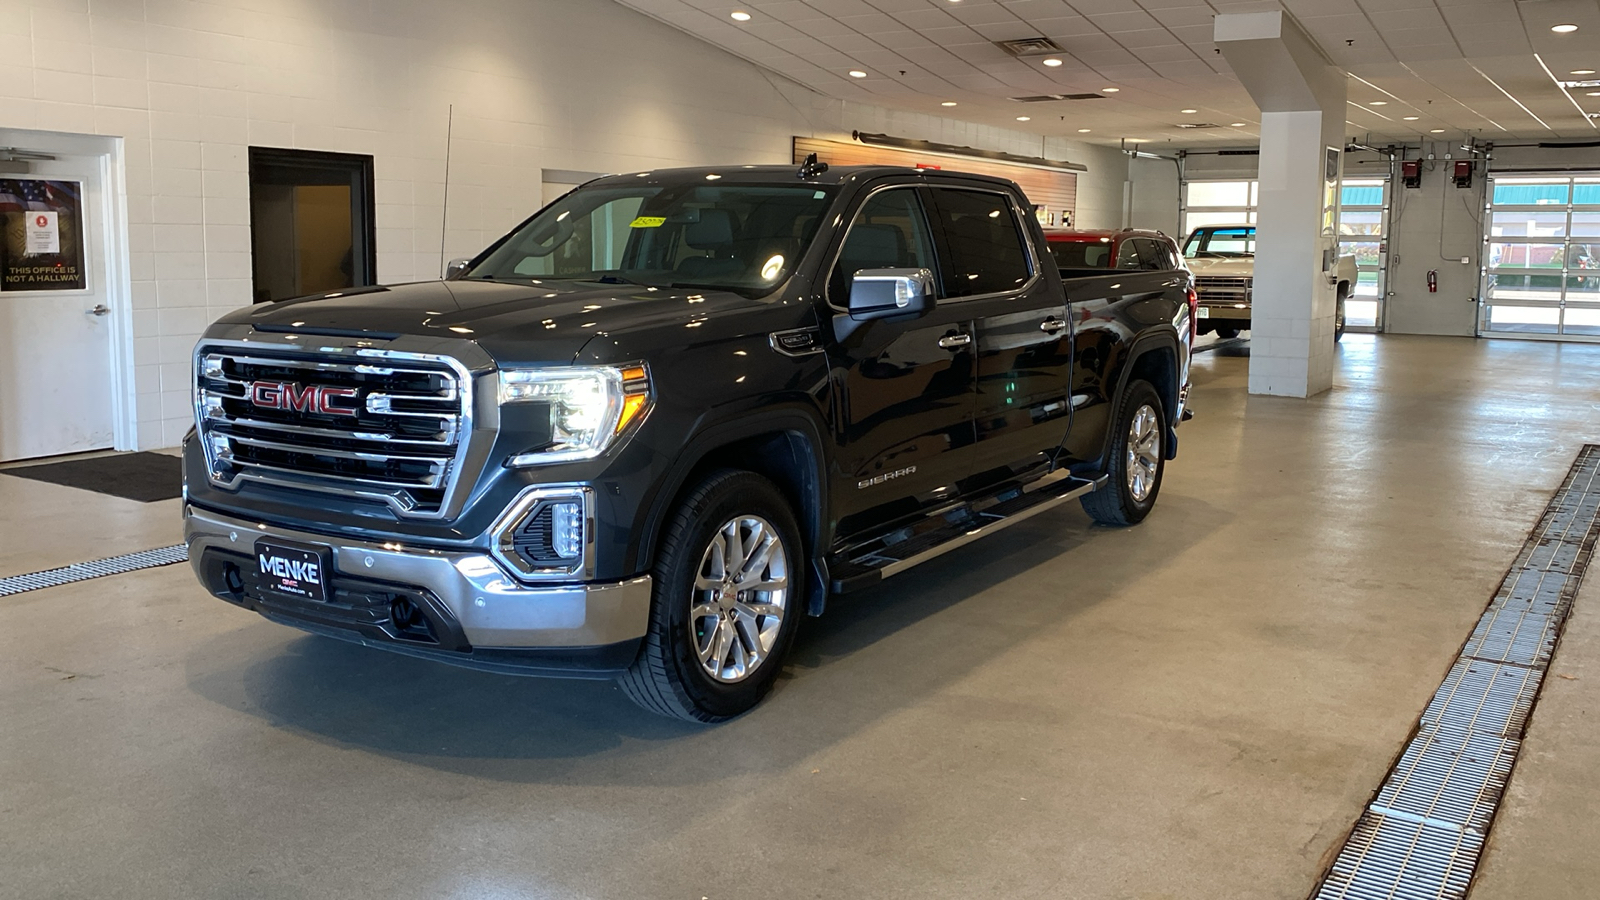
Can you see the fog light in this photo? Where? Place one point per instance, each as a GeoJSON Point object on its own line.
{"type": "Point", "coordinates": [566, 530]}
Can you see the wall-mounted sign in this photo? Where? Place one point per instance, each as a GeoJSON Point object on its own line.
{"type": "Point", "coordinates": [41, 235]}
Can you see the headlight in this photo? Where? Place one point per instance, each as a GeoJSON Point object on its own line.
{"type": "Point", "coordinates": [589, 407]}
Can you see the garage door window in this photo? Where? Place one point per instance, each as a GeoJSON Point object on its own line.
{"type": "Point", "coordinates": [1541, 256]}
{"type": "Point", "coordinates": [1219, 203]}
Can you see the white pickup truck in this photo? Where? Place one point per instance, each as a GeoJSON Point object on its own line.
{"type": "Point", "coordinates": [1223, 259]}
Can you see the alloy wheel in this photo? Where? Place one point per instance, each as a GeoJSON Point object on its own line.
{"type": "Point", "coordinates": [1144, 452]}
{"type": "Point", "coordinates": [741, 594]}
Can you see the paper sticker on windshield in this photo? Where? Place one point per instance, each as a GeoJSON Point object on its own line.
{"type": "Point", "coordinates": [649, 222]}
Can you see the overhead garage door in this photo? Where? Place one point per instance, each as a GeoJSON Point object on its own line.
{"type": "Point", "coordinates": [1541, 260]}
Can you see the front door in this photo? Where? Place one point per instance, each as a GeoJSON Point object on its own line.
{"type": "Point", "coordinates": [55, 327]}
{"type": "Point", "coordinates": [1023, 338]}
{"type": "Point", "coordinates": [904, 389]}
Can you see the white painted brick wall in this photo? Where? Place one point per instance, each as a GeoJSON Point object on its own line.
{"type": "Point", "coordinates": [560, 84]}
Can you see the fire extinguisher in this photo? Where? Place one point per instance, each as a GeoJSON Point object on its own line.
{"type": "Point", "coordinates": [1433, 281]}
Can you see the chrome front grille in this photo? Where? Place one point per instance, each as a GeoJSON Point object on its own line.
{"type": "Point", "coordinates": [371, 423]}
{"type": "Point", "coordinates": [1223, 288]}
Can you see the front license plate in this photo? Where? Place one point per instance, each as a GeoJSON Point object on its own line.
{"type": "Point", "coordinates": [299, 570]}
{"type": "Point", "coordinates": [1202, 313]}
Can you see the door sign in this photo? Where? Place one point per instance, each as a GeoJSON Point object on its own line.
{"type": "Point", "coordinates": [44, 234]}
{"type": "Point", "coordinates": [41, 235]}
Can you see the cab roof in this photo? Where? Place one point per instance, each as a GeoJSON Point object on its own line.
{"type": "Point", "coordinates": [744, 174]}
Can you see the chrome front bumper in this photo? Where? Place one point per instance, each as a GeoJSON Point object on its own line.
{"type": "Point", "coordinates": [493, 609]}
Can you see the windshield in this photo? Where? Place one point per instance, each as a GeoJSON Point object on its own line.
{"type": "Point", "coordinates": [1082, 254]}
{"type": "Point", "coordinates": [1220, 243]}
{"type": "Point", "coordinates": [743, 238]}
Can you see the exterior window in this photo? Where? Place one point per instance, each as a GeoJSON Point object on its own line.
{"type": "Point", "coordinates": [986, 252]}
{"type": "Point", "coordinates": [889, 232]}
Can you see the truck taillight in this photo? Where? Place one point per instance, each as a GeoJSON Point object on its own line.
{"type": "Point", "coordinates": [1194, 315]}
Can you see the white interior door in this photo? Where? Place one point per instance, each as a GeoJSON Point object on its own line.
{"type": "Point", "coordinates": [56, 379]}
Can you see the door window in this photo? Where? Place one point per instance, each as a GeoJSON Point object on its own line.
{"type": "Point", "coordinates": [890, 232]}
{"type": "Point", "coordinates": [986, 250]}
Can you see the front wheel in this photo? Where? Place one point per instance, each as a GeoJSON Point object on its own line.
{"type": "Point", "coordinates": [1338, 321]}
{"type": "Point", "coordinates": [1137, 459]}
{"type": "Point", "coordinates": [727, 582]}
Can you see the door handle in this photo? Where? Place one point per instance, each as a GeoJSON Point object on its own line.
{"type": "Point", "coordinates": [1052, 325]}
{"type": "Point", "coordinates": [100, 309]}
{"type": "Point", "coordinates": [952, 341]}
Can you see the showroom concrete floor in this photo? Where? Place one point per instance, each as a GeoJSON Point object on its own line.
{"type": "Point", "coordinates": [1197, 707]}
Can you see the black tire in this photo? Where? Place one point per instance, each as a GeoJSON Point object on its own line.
{"type": "Point", "coordinates": [1115, 503]}
{"type": "Point", "coordinates": [1338, 320]}
{"type": "Point", "coordinates": [1227, 334]}
{"type": "Point", "coordinates": [668, 677]}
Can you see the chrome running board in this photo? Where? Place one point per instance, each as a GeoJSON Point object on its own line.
{"type": "Point", "coordinates": [869, 563]}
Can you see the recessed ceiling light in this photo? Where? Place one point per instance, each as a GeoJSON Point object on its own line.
{"type": "Point", "coordinates": [857, 73]}
{"type": "Point", "coordinates": [1594, 93]}
{"type": "Point", "coordinates": [1236, 125]}
{"type": "Point", "coordinates": [1083, 131]}
{"type": "Point", "coordinates": [1023, 118]}
{"type": "Point", "coordinates": [1583, 71]}
{"type": "Point", "coordinates": [948, 103]}
{"type": "Point", "coordinates": [1109, 90]}
{"type": "Point", "coordinates": [1188, 111]}
{"type": "Point", "coordinates": [1564, 29]}
{"type": "Point", "coordinates": [1412, 118]}
{"type": "Point", "coordinates": [1379, 103]}
{"type": "Point", "coordinates": [739, 15]}
{"type": "Point", "coordinates": [1437, 131]}
{"type": "Point", "coordinates": [1052, 62]}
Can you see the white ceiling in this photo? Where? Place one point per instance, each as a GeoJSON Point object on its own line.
{"type": "Point", "coordinates": [1465, 66]}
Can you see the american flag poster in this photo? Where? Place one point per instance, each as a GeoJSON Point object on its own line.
{"type": "Point", "coordinates": [26, 206]}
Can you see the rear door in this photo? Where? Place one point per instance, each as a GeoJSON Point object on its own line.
{"type": "Point", "coordinates": [1023, 372]}
{"type": "Point", "coordinates": [905, 388]}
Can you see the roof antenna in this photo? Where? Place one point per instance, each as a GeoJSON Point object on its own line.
{"type": "Point", "coordinates": [811, 168]}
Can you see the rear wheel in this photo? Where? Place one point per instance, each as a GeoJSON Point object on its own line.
{"type": "Point", "coordinates": [727, 578]}
{"type": "Point", "coordinates": [1137, 459]}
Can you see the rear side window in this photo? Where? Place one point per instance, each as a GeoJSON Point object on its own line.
{"type": "Point", "coordinates": [889, 232]}
{"type": "Point", "coordinates": [986, 251]}
{"type": "Point", "coordinates": [1081, 254]}
{"type": "Point", "coordinates": [1128, 255]}
{"type": "Point", "coordinates": [1153, 255]}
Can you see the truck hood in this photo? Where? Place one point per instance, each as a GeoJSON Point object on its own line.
{"type": "Point", "coordinates": [515, 323]}
{"type": "Point", "coordinates": [1235, 266]}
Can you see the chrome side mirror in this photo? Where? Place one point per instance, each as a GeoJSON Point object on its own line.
{"type": "Point", "coordinates": [890, 293]}
{"type": "Point", "coordinates": [456, 268]}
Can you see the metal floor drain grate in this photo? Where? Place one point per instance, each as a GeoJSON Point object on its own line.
{"type": "Point", "coordinates": [1422, 835]}
{"type": "Point", "coordinates": [99, 568]}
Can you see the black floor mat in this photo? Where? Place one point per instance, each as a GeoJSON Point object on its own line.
{"type": "Point", "coordinates": [146, 477]}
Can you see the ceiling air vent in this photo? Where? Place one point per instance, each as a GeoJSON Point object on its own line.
{"type": "Point", "coordinates": [1197, 125]}
{"type": "Point", "coordinates": [1083, 96]}
{"type": "Point", "coordinates": [1034, 46]}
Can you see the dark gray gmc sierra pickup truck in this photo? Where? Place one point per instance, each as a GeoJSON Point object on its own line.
{"type": "Point", "coordinates": [645, 433]}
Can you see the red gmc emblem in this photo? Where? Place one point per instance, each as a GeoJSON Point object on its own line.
{"type": "Point", "coordinates": [309, 398]}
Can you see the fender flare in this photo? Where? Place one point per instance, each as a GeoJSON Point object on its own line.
{"type": "Point", "coordinates": [1161, 337]}
{"type": "Point", "coordinates": [730, 426]}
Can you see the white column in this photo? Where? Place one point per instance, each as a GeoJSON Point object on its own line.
{"type": "Point", "coordinates": [1302, 100]}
